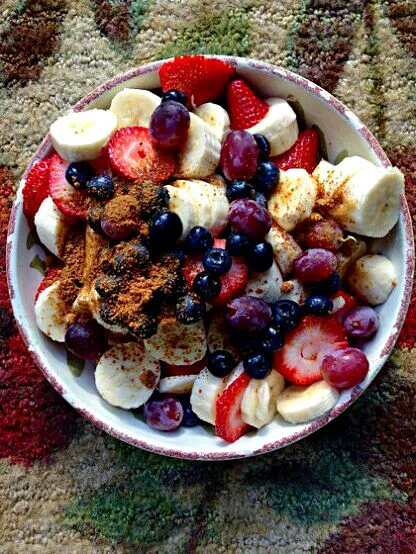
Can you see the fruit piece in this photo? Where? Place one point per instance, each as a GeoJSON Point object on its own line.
{"type": "Point", "coordinates": [199, 239]}
{"type": "Point", "coordinates": [266, 177]}
{"type": "Point", "coordinates": [107, 285]}
{"type": "Point", "coordinates": [299, 361]}
{"type": "Point", "coordinates": [205, 393]}
{"type": "Point", "coordinates": [178, 384]}
{"type": "Point", "coordinates": [351, 250]}
{"type": "Point", "coordinates": [86, 340]}
{"type": "Point", "coordinates": [238, 189]}
{"type": "Point", "coordinates": [170, 370]}
{"type": "Point", "coordinates": [133, 156]}
{"type": "Point", "coordinates": [259, 198]}
{"type": "Point", "coordinates": [258, 366]}
{"type": "Point", "coordinates": [190, 309]}
{"type": "Point", "coordinates": [50, 313]}
{"type": "Point", "coordinates": [217, 261]}
{"type": "Point", "coordinates": [249, 218]}
{"type": "Point", "coordinates": [314, 264]}
{"type": "Point", "coordinates": [164, 414]}
{"type": "Point", "coordinates": [318, 305]}
{"type": "Point", "coordinates": [264, 146]}
{"type": "Point", "coordinates": [345, 368]}
{"type": "Point", "coordinates": [272, 339]}
{"type": "Point", "coordinates": [190, 419]}
{"type": "Point", "coordinates": [35, 189]}
{"type": "Point", "coordinates": [206, 285]}
{"type": "Point", "coordinates": [169, 125]}
{"type": "Point", "coordinates": [328, 286]}
{"type": "Point", "coordinates": [285, 248]}
{"type": "Point", "coordinates": [176, 96]}
{"type": "Point", "coordinates": [343, 303]}
{"type": "Point", "coordinates": [229, 424]}
{"type": "Point", "coordinates": [131, 255]}
{"type": "Point", "coordinates": [81, 136]}
{"type": "Point", "coordinates": [286, 314]}
{"type": "Point", "coordinates": [260, 256]}
{"type": "Point", "coordinates": [239, 155]}
{"type": "Point", "coordinates": [324, 233]}
{"type": "Point", "coordinates": [200, 79]}
{"type": "Point", "coordinates": [372, 279]}
{"type": "Point", "coordinates": [293, 290]}
{"type": "Point", "coordinates": [134, 107]}
{"type": "Point", "coordinates": [70, 201]}
{"type": "Point", "coordinates": [94, 219]}
{"type": "Point", "coordinates": [265, 285]}
{"type": "Point", "coordinates": [101, 165]}
{"type": "Point", "coordinates": [298, 404]}
{"type": "Point", "coordinates": [219, 336]}
{"type": "Point", "coordinates": [303, 154]}
{"type": "Point", "coordinates": [78, 174]}
{"type": "Point", "coordinates": [258, 407]}
{"type": "Point", "coordinates": [248, 314]}
{"type": "Point", "coordinates": [361, 322]}
{"type": "Point", "coordinates": [52, 275]}
{"type": "Point", "coordinates": [181, 203]}
{"type": "Point", "coordinates": [238, 244]}
{"type": "Point", "coordinates": [244, 106]}
{"type": "Point", "coordinates": [101, 314]}
{"type": "Point", "coordinates": [221, 363]}
{"type": "Point", "coordinates": [165, 229]}
{"type": "Point", "coordinates": [101, 187]}
{"type": "Point", "coordinates": [216, 117]}
{"type": "Point", "coordinates": [51, 226]}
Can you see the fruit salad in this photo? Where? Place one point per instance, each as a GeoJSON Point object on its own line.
{"type": "Point", "coordinates": [206, 257]}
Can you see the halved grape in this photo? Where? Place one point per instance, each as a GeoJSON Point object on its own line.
{"type": "Point", "coordinates": [248, 314]}
{"type": "Point", "coordinates": [314, 265]}
{"type": "Point", "coordinates": [361, 322]}
{"type": "Point", "coordinates": [239, 156]}
{"type": "Point", "coordinates": [248, 217]}
{"type": "Point", "coordinates": [345, 368]}
{"type": "Point", "coordinates": [163, 414]}
{"type": "Point", "coordinates": [325, 233]}
{"type": "Point", "coordinates": [86, 340]}
{"type": "Point", "coordinates": [169, 125]}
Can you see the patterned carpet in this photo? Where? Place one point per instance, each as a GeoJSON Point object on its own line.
{"type": "Point", "coordinates": [67, 487]}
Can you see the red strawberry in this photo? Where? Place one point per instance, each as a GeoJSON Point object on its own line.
{"type": "Point", "coordinates": [133, 156]}
{"type": "Point", "coordinates": [69, 200]}
{"type": "Point", "coordinates": [201, 79]}
{"type": "Point", "coordinates": [193, 369]}
{"type": "Point", "coordinates": [36, 189]}
{"type": "Point", "coordinates": [304, 153]}
{"type": "Point", "coordinates": [51, 276]}
{"type": "Point", "coordinates": [101, 164]}
{"type": "Point", "coordinates": [349, 303]}
{"type": "Point", "coordinates": [229, 424]}
{"type": "Point", "coordinates": [299, 361]}
{"type": "Point", "coordinates": [244, 106]}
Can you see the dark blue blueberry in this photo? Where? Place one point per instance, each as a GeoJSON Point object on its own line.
{"type": "Point", "coordinates": [328, 286]}
{"type": "Point", "coordinates": [260, 256]}
{"type": "Point", "coordinates": [132, 255]}
{"type": "Point", "coordinates": [259, 198]}
{"type": "Point", "coordinates": [319, 305]}
{"type": "Point", "coordinates": [190, 309]}
{"type": "Point", "coordinates": [94, 219]}
{"type": "Point", "coordinates": [238, 189]}
{"type": "Point", "coordinates": [217, 261]}
{"type": "Point", "coordinates": [221, 363]}
{"type": "Point", "coordinates": [206, 285]}
{"type": "Point", "coordinates": [176, 96]}
{"type": "Point", "coordinates": [258, 365]}
{"type": "Point", "coordinates": [286, 314]}
{"type": "Point", "coordinates": [179, 254]}
{"type": "Point", "coordinates": [165, 229]}
{"type": "Point", "coordinates": [106, 285]}
{"type": "Point", "coordinates": [246, 342]}
{"type": "Point", "coordinates": [101, 187]}
{"type": "Point", "coordinates": [146, 329]}
{"type": "Point", "coordinates": [78, 174]}
{"type": "Point", "coordinates": [263, 146]}
{"type": "Point", "coordinates": [266, 177]}
{"type": "Point", "coordinates": [199, 239]}
{"type": "Point", "coordinates": [238, 244]}
{"type": "Point", "coordinates": [190, 419]}
{"type": "Point", "coordinates": [272, 339]}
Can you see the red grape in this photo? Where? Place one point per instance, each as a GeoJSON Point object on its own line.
{"type": "Point", "coordinates": [169, 125]}
{"type": "Point", "coordinates": [248, 314]}
{"type": "Point", "coordinates": [248, 217]}
{"type": "Point", "coordinates": [86, 340]}
{"type": "Point", "coordinates": [314, 265]}
{"type": "Point", "coordinates": [239, 156]}
{"type": "Point", "coordinates": [163, 414]}
{"type": "Point", "coordinates": [325, 233]}
{"type": "Point", "coordinates": [361, 322]}
{"type": "Point", "coordinates": [344, 368]}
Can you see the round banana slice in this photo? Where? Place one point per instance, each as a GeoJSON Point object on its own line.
{"type": "Point", "coordinates": [372, 279]}
{"type": "Point", "coordinates": [51, 226]}
{"type": "Point", "coordinates": [178, 384]}
{"type": "Point", "coordinates": [216, 117]}
{"type": "Point", "coordinates": [258, 407]}
{"type": "Point", "coordinates": [81, 136]}
{"type": "Point", "coordinates": [134, 107]}
{"type": "Point", "coordinates": [298, 404]}
{"type": "Point", "coordinates": [50, 313]}
{"type": "Point", "coordinates": [265, 285]}
{"type": "Point", "coordinates": [95, 302]}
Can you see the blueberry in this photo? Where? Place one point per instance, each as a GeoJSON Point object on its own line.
{"type": "Point", "coordinates": [330, 285]}
{"type": "Point", "coordinates": [259, 198]}
{"type": "Point", "coordinates": [146, 329]}
{"type": "Point", "coordinates": [258, 365]}
{"type": "Point", "coordinates": [206, 285]}
{"type": "Point", "coordinates": [238, 189]}
{"type": "Point", "coordinates": [221, 363]}
{"type": "Point", "coordinates": [319, 305]}
{"type": "Point", "coordinates": [165, 228]}
{"type": "Point", "coordinates": [217, 261]}
{"type": "Point", "coordinates": [132, 255]}
{"type": "Point", "coordinates": [238, 244]}
{"type": "Point", "coordinates": [176, 96]}
{"type": "Point", "coordinates": [190, 309]}
{"type": "Point", "coordinates": [260, 256]}
{"type": "Point", "coordinates": [106, 286]}
{"type": "Point", "coordinates": [246, 342]}
{"type": "Point", "coordinates": [272, 339]}
{"type": "Point", "coordinates": [266, 177]}
{"type": "Point", "coordinates": [94, 219]}
{"type": "Point", "coordinates": [286, 314]}
{"type": "Point", "coordinates": [199, 239]}
{"type": "Point", "coordinates": [190, 419]}
{"type": "Point", "coordinates": [174, 286]}
{"type": "Point", "coordinates": [179, 254]}
{"type": "Point", "coordinates": [263, 146]}
{"type": "Point", "coordinates": [78, 174]}
{"type": "Point", "coordinates": [101, 187]}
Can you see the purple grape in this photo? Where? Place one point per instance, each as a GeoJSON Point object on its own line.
{"type": "Point", "coordinates": [345, 368]}
{"type": "Point", "coordinates": [116, 230]}
{"type": "Point", "coordinates": [248, 314]}
{"type": "Point", "coordinates": [248, 217]}
{"type": "Point", "coordinates": [169, 125]}
{"type": "Point", "coordinates": [163, 414]}
{"type": "Point", "coordinates": [361, 322]}
{"type": "Point", "coordinates": [314, 265]}
{"type": "Point", "coordinates": [239, 156]}
{"type": "Point", "coordinates": [86, 340]}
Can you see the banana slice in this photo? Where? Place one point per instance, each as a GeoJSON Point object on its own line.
{"type": "Point", "coordinates": [219, 337]}
{"type": "Point", "coordinates": [298, 404]}
{"type": "Point", "coordinates": [126, 375]}
{"type": "Point", "coordinates": [218, 205]}
{"type": "Point", "coordinates": [51, 226]}
{"type": "Point", "coordinates": [181, 202]}
{"type": "Point", "coordinates": [294, 198]}
{"type": "Point", "coordinates": [372, 279]}
{"type": "Point", "coordinates": [258, 407]}
{"type": "Point", "coordinates": [197, 196]}
{"type": "Point", "coordinates": [265, 285]}
{"type": "Point", "coordinates": [200, 154]}
{"type": "Point", "coordinates": [279, 126]}
{"type": "Point", "coordinates": [351, 250]}
{"type": "Point", "coordinates": [50, 313]}
{"type": "Point", "coordinates": [205, 393]}
{"type": "Point", "coordinates": [216, 117]}
{"type": "Point", "coordinates": [285, 248]}
{"type": "Point", "coordinates": [81, 136]}
{"type": "Point", "coordinates": [293, 290]}
{"type": "Point", "coordinates": [134, 107]}
{"type": "Point", "coordinates": [178, 384]}
{"type": "Point", "coordinates": [95, 302]}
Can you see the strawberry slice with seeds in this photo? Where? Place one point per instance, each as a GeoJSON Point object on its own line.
{"type": "Point", "coordinates": [36, 189]}
{"type": "Point", "coordinates": [229, 424]}
{"type": "Point", "coordinates": [299, 361]}
{"type": "Point", "coordinates": [170, 370]}
{"type": "Point", "coordinates": [69, 200]}
{"type": "Point", "coordinates": [244, 106]}
{"type": "Point", "coordinates": [201, 79]}
{"type": "Point", "coordinates": [343, 303]}
{"type": "Point", "coordinates": [133, 156]}
{"type": "Point", "coordinates": [52, 274]}
{"type": "Point", "coordinates": [304, 153]}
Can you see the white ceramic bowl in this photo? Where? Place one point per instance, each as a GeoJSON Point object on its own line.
{"type": "Point", "coordinates": [343, 132]}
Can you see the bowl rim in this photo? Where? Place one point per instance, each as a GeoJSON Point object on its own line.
{"type": "Point", "coordinates": [374, 146]}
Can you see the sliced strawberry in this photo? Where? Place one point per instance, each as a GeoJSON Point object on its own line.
{"type": "Point", "coordinates": [193, 369]}
{"type": "Point", "coordinates": [244, 106]}
{"type": "Point", "coordinates": [229, 424]}
{"type": "Point", "coordinates": [36, 189]}
{"type": "Point", "coordinates": [101, 164]}
{"type": "Point", "coordinates": [201, 79]}
{"type": "Point", "coordinates": [299, 361]}
{"type": "Point", "coordinates": [304, 153]}
{"type": "Point", "coordinates": [133, 156]}
{"type": "Point", "coordinates": [349, 303]}
{"type": "Point", "coordinates": [51, 276]}
{"type": "Point", "coordinates": [69, 200]}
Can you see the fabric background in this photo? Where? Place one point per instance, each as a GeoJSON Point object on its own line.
{"type": "Point", "coordinates": [67, 487]}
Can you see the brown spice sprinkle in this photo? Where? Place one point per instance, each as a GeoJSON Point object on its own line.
{"type": "Point", "coordinates": [148, 378]}
{"type": "Point", "coordinates": [124, 211]}
{"type": "Point", "coordinates": [286, 287]}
